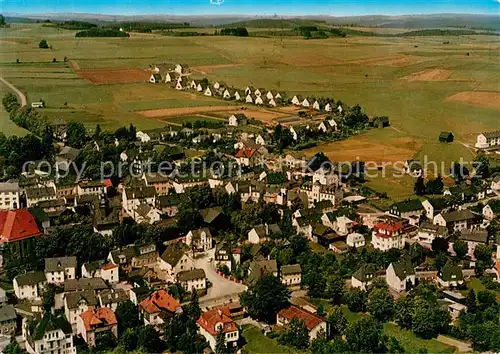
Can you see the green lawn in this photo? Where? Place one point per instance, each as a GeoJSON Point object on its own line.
{"type": "Point", "coordinates": [412, 343]}
{"type": "Point", "coordinates": [257, 343]}
{"type": "Point", "coordinates": [8, 127]}
{"type": "Point", "coordinates": [191, 119]}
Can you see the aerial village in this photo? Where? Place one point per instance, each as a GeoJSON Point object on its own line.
{"type": "Point", "coordinates": [186, 260]}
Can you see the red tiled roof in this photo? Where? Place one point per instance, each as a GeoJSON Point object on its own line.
{"type": "Point", "coordinates": [390, 226]}
{"type": "Point", "coordinates": [159, 300]}
{"type": "Point", "coordinates": [107, 183]}
{"type": "Point", "coordinates": [310, 319]}
{"type": "Point", "coordinates": [246, 152]}
{"type": "Point", "coordinates": [16, 225]}
{"type": "Point", "coordinates": [109, 266]}
{"type": "Point", "coordinates": [215, 317]}
{"type": "Point", "coordinates": [102, 316]}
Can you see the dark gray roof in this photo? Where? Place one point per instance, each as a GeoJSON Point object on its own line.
{"type": "Point", "coordinates": [491, 135]}
{"type": "Point", "coordinates": [140, 192]}
{"type": "Point", "coordinates": [403, 268]}
{"type": "Point", "coordinates": [40, 192]}
{"type": "Point", "coordinates": [110, 296]}
{"type": "Point", "coordinates": [197, 233]}
{"type": "Point", "coordinates": [192, 274]}
{"type": "Point", "coordinates": [261, 267]}
{"type": "Point", "coordinates": [93, 266]}
{"type": "Point", "coordinates": [59, 264]}
{"type": "Point", "coordinates": [88, 296]}
{"type": "Point", "coordinates": [366, 269]}
{"type": "Point", "coordinates": [291, 269]}
{"type": "Point", "coordinates": [50, 322]}
{"type": "Point", "coordinates": [30, 278]}
{"type": "Point", "coordinates": [459, 215]}
{"type": "Point", "coordinates": [210, 214]}
{"type": "Point", "coordinates": [480, 236]}
{"type": "Point", "coordinates": [173, 254]}
{"type": "Point", "coordinates": [7, 313]}
{"type": "Point", "coordinates": [85, 284]}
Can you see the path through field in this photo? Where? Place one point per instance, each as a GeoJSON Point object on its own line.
{"type": "Point", "coordinates": [74, 64]}
{"type": "Point", "coordinates": [19, 94]}
{"type": "Point", "coordinates": [461, 346]}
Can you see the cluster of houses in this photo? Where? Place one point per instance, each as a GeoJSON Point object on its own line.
{"type": "Point", "coordinates": [488, 140]}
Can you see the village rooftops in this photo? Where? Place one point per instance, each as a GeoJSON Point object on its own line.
{"type": "Point", "coordinates": [87, 296]}
{"type": "Point", "coordinates": [152, 178]}
{"type": "Point", "coordinates": [110, 296]}
{"type": "Point", "coordinates": [59, 264]}
{"type": "Point", "coordinates": [479, 236]}
{"type": "Point", "coordinates": [7, 187]}
{"type": "Point", "coordinates": [245, 152]}
{"type": "Point", "coordinates": [85, 284]}
{"type": "Point", "coordinates": [365, 272]}
{"type": "Point", "coordinates": [388, 226]}
{"type": "Point", "coordinates": [492, 135]}
{"type": "Point", "coordinates": [140, 192]}
{"type": "Point", "coordinates": [16, 225]}
{"type": "Point", "coordinates": [403, 268]}
{"type": "Point", "coordinates": [40, 192]}
{"type": "Point", "coordinates": [310, 319]}
{"type": "Point", "coordinates": [158, 301]}
{"type": "Point", "coordinates": [102, 316]}
{"type": "Point", "coordinates": [451, 272]}
{"type": "Point", "coordinates": [459, 215]}
{"type": "Point", "coordinates": [173, 254]}
{"type": "Point", "coordinates": [50, 322]}
{"type": "Point", "coordinates": [210, 214]}
{"type": "Point", "coordinates": [291, 269]}
{"type": "Point", "coordinates": [192, 274]}
{"type": "Point", "coordinates": [30, 278]}
{"type": "Point", "coordinates": [7, 313]}
{"type": "Point", "coordinates": [211, 319]}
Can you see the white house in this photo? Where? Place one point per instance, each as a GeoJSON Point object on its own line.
{"type": "Point", "coordinates": [258, 92]}
{"type": "Point", "coordinates": [226, 95]}
{"type": "Point", "coordinates": [59, 269]}
{"type": "Point", "coordinates": [78, 302]}
{"type": "Point", "coordinates": [316, 105]}
{"type": "Point", "coordinates": [400, 275]}
{"type": "Point", "coordinates": [216, 85]}
{"type": "Point", "coordinates": [269, 95]}
{"type": "Point", "coordinates": [492, 210]}
{"type": "Point", "coordinates": [291, 275]}
{"type": "Point", "coordinates": [343, 225]}
{"type": "Point", "coordinates": [237, 96]}
{"type": "Point", "coordinates": [30, 285]}
{"type": "Point", "coordinates": [258, 100]}
{"type": "Point", "coordinates": [9, 196]}
{"type": "Point", "coordinates": [450, 275]}
{"type": "Point", "coordinates": [249, 99]}
{"type": "Point", "coordinates": [315, 324]}
{"type": "Point", "coordinates": [208, 92]}
{"type": "Point", "coordinates": [363, 277]}
{"type": "Point", "coordinates": [172, 261]}
{"type": "Point", "coordinates": [297, 100]}
{"type": "Point", "coordinates": [215, 320]}
{"type": "Point", "coordinates": [98, 269]}
{"type": "Point", "coordinates": [489, 139]}
{"type": "Point", "coordinates": [355, 240]}
{"type": "Point", "coordinates": [49, 335]}
{"type": "Point", "coordinates": [193, 279]}
{"type": "Point", "coordinates": [272, 102]}
{"type": "Point", "coordinates": [305, 103]}
{"type": "Point", "coordinates": [260, 233]}
{"type": "Point", "coordinates": [387, 235]}
{"type": "Point", "coordinates": [201, 239]}
{"type": "Point", "coordinates": [328, 107]}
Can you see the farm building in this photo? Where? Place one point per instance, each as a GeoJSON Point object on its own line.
{"type": "Point", "coordinates": [249, 99]}
{"type": "Point", "coordinates": [486, 140]}
{"type": "Point", "coordinates": [446, 137]}
{"type": "Point", "coordinates": [237, 119]}
{"type": "Point", "coordinates": [39, 104]}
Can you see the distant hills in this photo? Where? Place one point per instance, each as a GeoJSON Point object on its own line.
{"type": "Point", "coordinates": [491, 22]}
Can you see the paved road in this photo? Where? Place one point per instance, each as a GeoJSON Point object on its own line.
{"type": "Point", "coordinates": [222, 290]}
{"type": "Point", "coordinates": [19, 94]}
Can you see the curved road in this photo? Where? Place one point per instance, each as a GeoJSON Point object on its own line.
{"type": "Point", "coordinates": [19, 94]}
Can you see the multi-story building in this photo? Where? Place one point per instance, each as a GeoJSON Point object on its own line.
{"type": "Point", "coordinates": [215, 320]}
{"type": "Point", "coordinates": [194, 279]}
{"type": "Point", "coordinates": [291, 275]}
{"type": "Point", "coordinates": [387, 235]}
{"type": "Point", "coordinates": [49, 335]}
{"type": "Point", "coordinates": [489, 139]}
{"type": "Point", "coordinates": [9, 196]}
{"type": "Point", "coordinates": [59, 269]}
{"type": "Point", "coordinates": [315, 324]}
{"type": "Point", "coordinates": [29, 285]}
{"type": "Point", "coordinates": [92, 324]}
{"type": "Point", "coordinates": [157, 307]}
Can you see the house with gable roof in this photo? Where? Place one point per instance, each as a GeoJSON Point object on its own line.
{"type": "Point", "coordinates": [159, 307]}
{"type": "Point", "coordinates": [315, 324]}
{"type": "Point", "coordinates": [400, 275]}
{"type": "Point", "coordinates": [215, 320]}
{"type": "Point", "coordinates": [59, 269]}
{"type": "Point", "coordinates": [78, 302]}
{"type": "Point", "coordinates": [18, 228]}
{"type": "Point", "coordinates": [50, 331]}
{"type": "Point", "coordinates": [363, 277]}
{"type": "Point", "coordinates": [172, 261]}
{"type": "Point", "coordinates": [200, 239]}
{"type": "Point", "coordinates": [94, 322]}
{"type": "Point", "coordinates": [450, 275]}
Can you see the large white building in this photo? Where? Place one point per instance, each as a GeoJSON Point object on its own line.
{"type": "Point", "coordinates": [489, 139]}
{"type": "Point", "coordinates": [9, 196]}
{"type": "Point", "coordinates": [59, 269]}
{"type": "Point", "coordinates": [387, 235]}
{"type": "Point", "coordinates": [49, 335]}
{"type": "Point", "coordinates": [215, 320]}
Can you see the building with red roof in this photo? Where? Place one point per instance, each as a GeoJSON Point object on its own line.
{"type": "Point", "coordinates": [158, 307]}
{"type": "Point", "coordinates": [18, 228]}
{"type": "Point", "coordinates": [313, 322]}
{"type": "Point", "coordinates": [247, 156]}
{"type": "Point", "coordinates": [215, 320]}
{"type": "Point", "coordinates": [388, 234]}
{"type": "Point", "coordinates": [93, 323]}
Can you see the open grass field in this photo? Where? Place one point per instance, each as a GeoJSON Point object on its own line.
{"type": "Point", "coordinates": [190, 119]}
{"type": "Point", "coordinates": [7, 127]}
{"type": "Point", "coordinates": [424, 84]}
{"type": "Point", "coordinates": [257, 343]}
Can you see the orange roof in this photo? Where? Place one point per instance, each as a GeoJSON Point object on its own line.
{"type": "Point", "coordinates": [16, 225]}
{"type": "Point", "coordinates": [102, 316]}
{"type": "Point", "coordinates": [390, 226]}
{"type": "Point", "coordinates": [109, 266]}
{"type": "Point", "coordinates": [246, 152]}
{"type": "Point", "coordinates": [159, 300]}
{"type": "Point", "coordinates": [215, 317]}
{"type": "Point", "coordinates": [107, 183]}
{"type": "Point", "coordinates": [310, 319]}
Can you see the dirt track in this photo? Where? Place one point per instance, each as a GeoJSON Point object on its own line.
{"type": "Point", "coordinates": [477, 98]}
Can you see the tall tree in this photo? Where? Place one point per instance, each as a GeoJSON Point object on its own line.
{"type": "Point", "coordinates": [403, 312]}
{"type": "Point", "coordinates": [148, 339]}
{"type": "Point", "coordinates": [265, 298]}
{"type": "Point", "coordinates": [337, 320]}
{"type": "Point", "coordinates": [193, 309]}
{"type": "Point", "coordinates": [76, 135]}
{"type": "Point", "coordinates": [295, 335]}
{"type": "Point", "coordinates": [460, 248]}
{"type": "Point", "coordinates": [127, 315]}
{"type": "Point", "coordinates": [419, 187]}
{"type": "Point", "coordinates": [363, 336]}
{"type": "Point", "coordinates": [380, 304]}
{"type": "Point", "coordinates": [220, 343]}
{"type": "Point", "coordinates": [470, 301]}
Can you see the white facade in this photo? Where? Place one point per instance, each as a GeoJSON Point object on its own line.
{"type": "Point", "coordinates": [355, 240]}
{"type": "Point", "coordinates": [53, 342]}
{"type": "Point", "coordinates": [486, 140]}
{"type": "Point", "coordinates": [9, 196]}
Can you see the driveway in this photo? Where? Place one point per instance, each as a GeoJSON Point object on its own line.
{"type": "Point", "coordinates": [19, 94]}
{"type": "Point", "coordinates": [222, 290]}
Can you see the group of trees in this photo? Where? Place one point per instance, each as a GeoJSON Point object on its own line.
{"type": "Point", "coordinates": [234, 31]}
{"type": "Point", "coordinates": [43, 44]}
{"type": "Point", "coordinates": [433, 186]}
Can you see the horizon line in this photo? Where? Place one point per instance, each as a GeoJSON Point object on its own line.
{"type": "Point", "coordinates": [270, 16]}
